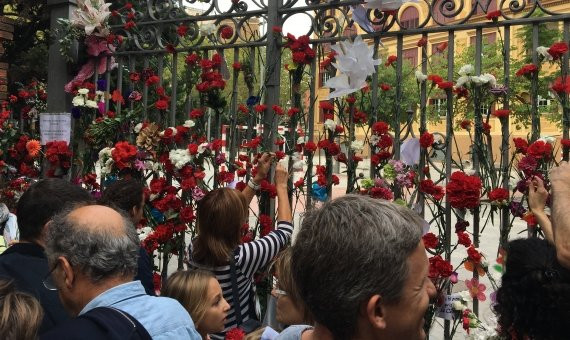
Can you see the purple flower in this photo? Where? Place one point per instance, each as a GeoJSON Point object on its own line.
{"type": "Point", "coordinates": [499, 90]}
{"type": "Point", "coordinates": [517, 209]}
{"type": "Point", "coordinates": [76, 112]}
{"type": "Point", "coordinates": [220, 158]}
{"type": "Point", "coordinates": [197, 194]}
{"type": "Point", "coordinates": [101, 85]}
{"type": "Point", "coordinates": [522, 186]}
{"type": "Point", "coordinates": [101, 106]}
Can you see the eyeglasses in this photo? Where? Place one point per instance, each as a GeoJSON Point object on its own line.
{"type": "Point", "coordinates": [48, 280]}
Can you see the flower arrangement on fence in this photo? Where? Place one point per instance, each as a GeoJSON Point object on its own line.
{"type": "Point", "coordinates": [132, 131]}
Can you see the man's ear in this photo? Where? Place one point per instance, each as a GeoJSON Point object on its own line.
{"type": "Point", "coordinates": [67, 271]}
{"type": "Point", "coordinates": [375, 312]}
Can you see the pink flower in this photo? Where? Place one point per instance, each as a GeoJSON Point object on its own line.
{"type": "Point", "coordinates": [476, 289]}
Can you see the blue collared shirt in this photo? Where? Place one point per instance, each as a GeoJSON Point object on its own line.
{"type": "Point", "coordinates": [163, 318]}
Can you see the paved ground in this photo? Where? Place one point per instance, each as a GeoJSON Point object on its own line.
{"type": "Point", "coordinates": [489, 240]}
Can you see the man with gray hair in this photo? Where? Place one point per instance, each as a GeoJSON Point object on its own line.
{"type": "Point", "coordinates": [92, 252]}
{"type": "Point", "coordinates": [361, 267]}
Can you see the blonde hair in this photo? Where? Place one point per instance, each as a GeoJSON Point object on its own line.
{"type": "Point", "coordinates": [190, 288]}
{"type": "Point", "coordinates": [20, 313]}
{"type": "Point", "coordinates": [284, 272]}
{"type": "Point", "coordinates": [255, 335]}
{"type": "Point", "coordinates": [220, 217]}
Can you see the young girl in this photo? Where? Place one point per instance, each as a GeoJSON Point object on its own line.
{"type": "Point", "coordinates": [221, 215]}
{"type": "Point", "coordinates": [200, 293]}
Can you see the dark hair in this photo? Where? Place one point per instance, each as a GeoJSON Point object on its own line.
{"type": "Point", "coordinates": [534, 298]}
{"type": "Point", "coordinates": [124, 193]}
{"type": "Point", "coordinates": [42, 201]}
{"type": "Point", "coordinates": [220, 215]}
{"type": "Point", "coordinates": [350, 249]}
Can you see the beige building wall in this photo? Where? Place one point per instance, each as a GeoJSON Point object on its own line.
{"type": "Point", "coordinates": [462, 40]}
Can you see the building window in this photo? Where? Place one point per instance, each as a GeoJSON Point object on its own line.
{"type": "Point", "coordinates": [350, 31]}
{"type": "Point", "coordinates": [544, 103]}
{"type": "Point", "coordinates": [324, 75]}
{"type": "Point", "coordinates": [479, 10]}
{"type": "Point", "coordinates": [411, 55]}
{"type": "Point", "coordinates": [487, 39]}
{"type": "Point", "coordinates": [439, 105]}
{"type": "Point", "coordinates": [410, 18]}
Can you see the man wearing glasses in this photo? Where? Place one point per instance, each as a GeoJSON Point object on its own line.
{"type": "Point", "coordinates": [92, 251]}
{"type": "Point", "coordinates": [25, 262]}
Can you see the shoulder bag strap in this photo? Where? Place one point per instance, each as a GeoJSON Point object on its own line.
{"type": "Point", "coordinates": [235, 291]}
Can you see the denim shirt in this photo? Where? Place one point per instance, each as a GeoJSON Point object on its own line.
{"type": "Point", "coordinates": [163, 318]}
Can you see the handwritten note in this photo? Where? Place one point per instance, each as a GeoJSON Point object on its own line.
{"type": "Point", "coordinates": [446, 311]}
{"type": "Point", "coordinates": [55, 126]}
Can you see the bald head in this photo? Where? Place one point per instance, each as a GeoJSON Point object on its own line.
{"type": "Point", "coordinates": [98, 240]}
{"type": "Point", "coordinates": [98, 218]}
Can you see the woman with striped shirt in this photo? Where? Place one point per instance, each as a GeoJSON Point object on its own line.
{"type": "Point", "coordinates": [220, 217]}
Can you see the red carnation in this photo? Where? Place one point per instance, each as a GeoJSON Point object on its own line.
{"type": "Point", "coordinates": [527, 70]}
{"type": "Point", "coordinates": [494, 15]}
{"type": "Point", "coordinates": [463, 238]}
{"type": "Point", "coordinates": [385, 87]}
{"type": "Point", "coordinates": [422, 42]}
{"type": "Point", "coordinates": [430, 241]}
{"type": "Point", "coordinates": [540, 150]}
{"type": "Point", "coordinates": [560, 85]}
{"type": "Point", "coordinates": [463, 191]}
{"type": "Point", "coordinates": [501, 113]}
{"type": "Point", "coordinates": [235, 334]}
{"type": "Point", "coordinates": [521, 145]}
{"type": "Point", "coordinates": [474, 255]}
{"type": "Point", "coordinates": [391, 60]}
{"type": "Point", "coordinates": [498, 195]}
{"type": "Point", "coordinates": [558, 49]}
{"type": "Point", "coordinates": [444, 85]}
{"type": "Point", "coordinates": [465, 124]}
{"type": "Point", "coordinates": [226, 32]}
{"type": "Point", "coordinates": [428, 187]}
{"type": "Point", "coordinates": [426, 140]}
{"type": "Point", "coordinates": [565, 143]}
{"type": "Point", "coordinates": [435, 79]}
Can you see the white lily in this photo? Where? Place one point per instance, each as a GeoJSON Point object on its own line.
{"type": "Point", "coordinates": [385, 5]}
{"type": "Point", "coordinates": [355, 62]}
{"type": "Point", "coordinates": [92, 16]}
{"type": "Point", "coordinates": [543, 51]}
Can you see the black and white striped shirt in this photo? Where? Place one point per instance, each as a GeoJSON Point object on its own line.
{"type": "Point", "coordinates": [249, 257]}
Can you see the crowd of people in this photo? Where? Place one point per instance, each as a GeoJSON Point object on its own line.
{"type": "Point", "coordinates": [358, 269]}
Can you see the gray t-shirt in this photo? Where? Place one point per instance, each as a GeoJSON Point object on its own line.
{"type": "Point", "coordinates": [293, 332]}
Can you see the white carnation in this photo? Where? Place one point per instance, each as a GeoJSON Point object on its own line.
{"type": "Point", "coordinates": [420, 77]}
{"type": "Point", "coordinates": [138, 128]}
{"type": "Point", "coordinates": [330, 124]}
{"type": "Point", "coordinates": [180, 157]}
{"type": "Point", "coordinates": [189, 123]}
{"type": "Point", "coordinates": [83, 91]}
{"type": "Point", "coordinates": [78, 101]}
{"type": "Point", "coordinates": [357, 145]}
{"type": "Point", "coordinates": [466, 70]}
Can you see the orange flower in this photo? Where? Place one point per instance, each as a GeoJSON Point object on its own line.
{"type": "Point", "coordinates": [33, 147]}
